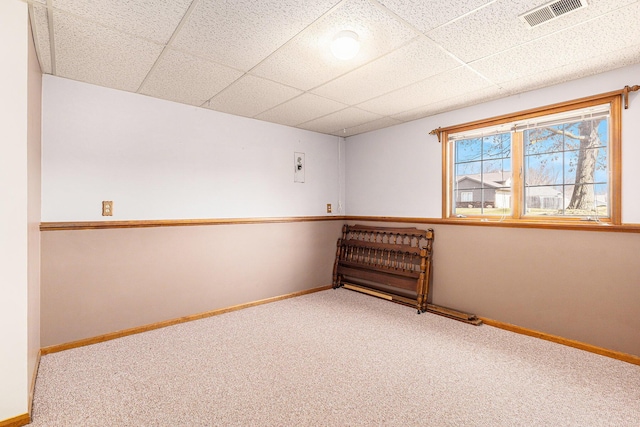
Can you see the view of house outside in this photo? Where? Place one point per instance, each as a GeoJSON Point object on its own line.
{"type": "Point", "coordinates": [565, 169]}
{"type": "Point", "coordinates": [483, 175]}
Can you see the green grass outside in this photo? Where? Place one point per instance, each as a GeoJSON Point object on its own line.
{"type": "Point", "coordinates": [602, 211]}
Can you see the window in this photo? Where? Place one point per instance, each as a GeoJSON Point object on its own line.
{"type": "Point", "coordinates": [466, 196]}
{"type": "Point", "coordinates": [555, 163]}
{"type": "Point", "coordinates": [482, 174]}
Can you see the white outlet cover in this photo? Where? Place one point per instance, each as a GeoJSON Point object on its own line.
{"type": "Point", "coordinates": [298, 167]}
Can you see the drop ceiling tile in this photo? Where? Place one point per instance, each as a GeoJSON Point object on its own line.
{"type": "Point", "coordinates": [241, 33]}
{"type": "Point", "coordinates": [384, 122]}
{"type": "Point", "coordinates": [408, 64]}
{"type": "Point", "coordinates": [94, 54]}
{"type": "Point", "coordinates": [40, 28]}
{"type": "Point", "coordinates": [576, 70]}
{"type": "Point", "coordinates": [347, 118]}
{"type": "Point", "coordinates": [184, 78]}
{"type": "Point", "coordinates": [612, 32]}
{"type": "Point", "coordinates": [155, 20]}
{"type": "Point", "coordinates": [39, 1]}
{"type": "Point", "coordinates": [433, 89]}
{"type": "Point", "coordinates": [449, 104]}
{"type": "Point", "coordinates": [251, 95]}
{"type": "Point", "coordinates": [426, 15]}
{"type": "Point", "coordinates": [301, 109]}
{"type": "Point", "coordinates": [307, 62]}
{"type": "Point", "coordinates": [470, 38]}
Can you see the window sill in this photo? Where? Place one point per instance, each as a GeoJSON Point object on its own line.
{"type": "Point", "coordinates": [556, 224]}
{"type": "Point", "coordinates": [509, 223]}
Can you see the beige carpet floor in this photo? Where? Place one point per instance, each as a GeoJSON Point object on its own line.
{"type": "Point", "coordinates": [333, 358]}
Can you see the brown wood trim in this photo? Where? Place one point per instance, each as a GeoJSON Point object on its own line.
{"type": "Point", "coordinates": [517, 184]}
{"type": "Point", "coordinates": [614, 99]}
{"type": "Point", "coordinates": [368, 291]}
{"type": "Point", "coordinates": [484, 222]}
{"type": "Point", "coordinates": [625, 357]}
{"type": "Point", "coordinates": [534, 112]}
{"type": "Point", "coordinates": [446, 179]}
{"type": "Point", "coordinates": [615, 171]}
{"type": "Point", "coordinates": [34, 376]}
{"type": "Point", "coordinates": [19, 421]}
{"type": "Point", "coordinates": [139, 329]}
{"type": "Point", "coordinates": [93, 225]}
{"type": "Point", "coordinates": [576, 225]}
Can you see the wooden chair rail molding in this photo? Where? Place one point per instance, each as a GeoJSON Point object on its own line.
{"type": "Point", "coordinates": [91, 225]}
{"type": "Point", "coordinates": [96, 225]}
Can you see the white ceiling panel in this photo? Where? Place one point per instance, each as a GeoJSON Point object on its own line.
{"type": "Point", "coordinates": [466, 100]}
{"type": "Point", "coordinates": [184, 78]}
{"type": "Point", "coordinates": [271, 59]}
{"type": "Point", "coordinates": [301, 109]}
{"type": "Point", "coordinates": [306, 61]}
{"type": "Point", "coordinates": [264, 94]}
{"type": "Point", "coordinates": [427, 15]}
{"type": "Point", "coordinates": [155, 20]}
{"type": "Point", "coordinates": [506, 29]}
{"type": "Point", "coordinates": [449, 84]}
{"type": "Point", "coordinates": [367, 127]}
{"type": "Point", "coordinates": [588, 67]}
{"type": "Point", "coordinates": [95, 54]}
{"type": "Point", "coordinates": [241, 33]}
{"type": "Point", "coordinates": [40, 29]}
{"type": "Point", "coordinates": [340, 120]}
{"type": "Point", "coordinates": [614, 31]}
{"type": "Point", "coordinates": [408, 64]}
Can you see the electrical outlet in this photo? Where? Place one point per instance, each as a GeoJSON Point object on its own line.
{"type": "Point", "coordinates": [107, 208]}
{"type": "Point", "coordinates": [328, 207]}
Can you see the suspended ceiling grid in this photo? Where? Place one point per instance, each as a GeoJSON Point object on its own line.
{"type": "Point", "coordinates": [271, 60]}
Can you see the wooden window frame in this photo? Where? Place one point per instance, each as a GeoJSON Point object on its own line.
{"type": "Point", "coordinates": [614, 99]}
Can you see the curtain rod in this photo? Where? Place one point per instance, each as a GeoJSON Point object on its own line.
{"type": "Point", "coordinates": [624, 92]}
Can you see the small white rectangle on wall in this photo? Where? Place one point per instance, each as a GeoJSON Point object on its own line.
{"type": "Point", "coordinates": [298, 167]}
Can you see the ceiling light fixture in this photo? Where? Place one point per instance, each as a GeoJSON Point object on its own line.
{"type": "Point", "coordinates": [345, 45]}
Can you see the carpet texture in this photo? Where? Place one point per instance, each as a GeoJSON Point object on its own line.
{"type": "Point", "coordinates": [333, 358]}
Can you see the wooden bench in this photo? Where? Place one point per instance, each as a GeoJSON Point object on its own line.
{"type": "Point", "coordinates": [390, 263]}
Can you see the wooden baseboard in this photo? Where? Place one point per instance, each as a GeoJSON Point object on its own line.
{"type": "Point", "coordinates": [625, 357]}
{"type": "Point", "coordinates": [19, 421]}
{"type": "Point", "coordinates": [171, 322]}
{"type": "Point", "coordinates": [24, 419]}
{"type": "Point", "coordinates": [34, 376]}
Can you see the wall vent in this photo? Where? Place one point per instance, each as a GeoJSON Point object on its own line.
{"type": "Point", "coordinates": [551, 11]}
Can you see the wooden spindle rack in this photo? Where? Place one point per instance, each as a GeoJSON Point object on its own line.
{"type": "Point", "coordinates": [390, 263]}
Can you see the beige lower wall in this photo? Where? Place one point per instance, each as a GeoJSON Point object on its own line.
{"type": "Point", "coordinates": [580, 285]}
{"type": "Point", "coordinates": [100, 281]}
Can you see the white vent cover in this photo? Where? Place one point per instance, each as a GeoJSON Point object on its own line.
{"type": "Point", "coordinates": [551, 11]}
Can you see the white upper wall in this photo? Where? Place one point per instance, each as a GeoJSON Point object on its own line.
{"type": "Point", "coordinates": [14, 378]}
{"type": "Point", "coordinates": [157, 159]}
{"type": "Point", "coordinates": [161, 160]}
{"type": "Point", "coordinates": [397, 171]}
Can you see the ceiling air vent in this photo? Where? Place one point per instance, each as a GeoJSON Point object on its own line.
{"type": "Point", "coordinates": [551, 11]}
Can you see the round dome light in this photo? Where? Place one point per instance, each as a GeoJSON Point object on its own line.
{"type": "Point", "coordinates": [345, 45]}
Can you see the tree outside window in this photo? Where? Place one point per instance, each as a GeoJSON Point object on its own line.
{"type": "Point", "coordinates": [560, 163]}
